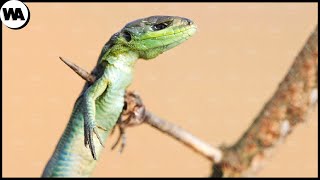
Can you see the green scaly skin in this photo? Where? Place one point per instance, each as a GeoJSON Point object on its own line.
{"type": "Point", "coordinates": [100, 104]}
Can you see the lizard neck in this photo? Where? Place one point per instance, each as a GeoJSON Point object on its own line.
{"type": "Point", "coordinates": [120, 57]}
{"type": "Point", "coordinates": [124, 62]}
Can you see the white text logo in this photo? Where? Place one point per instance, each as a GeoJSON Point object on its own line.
{"type": "Point", "coordinates": [15, 14]}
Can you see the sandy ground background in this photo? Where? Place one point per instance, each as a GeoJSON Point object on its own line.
{"type": "Point", "coordinates": [212, 85]}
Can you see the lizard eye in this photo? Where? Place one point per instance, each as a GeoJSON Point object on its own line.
{"type": "Point", "coordinates": [160, 26]}
{"type": "Point", "coordinates": [127, 36]}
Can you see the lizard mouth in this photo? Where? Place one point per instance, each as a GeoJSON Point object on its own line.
{"type": "Point", "coordinates": [173, 38]}
{"type": "Point", "coordinates": [177, 31]}
{"type": "Point", "coordinates": [179, 36]}
{"type": "Point", "coordinates": [169, 41]}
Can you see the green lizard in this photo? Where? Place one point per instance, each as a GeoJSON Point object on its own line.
{"type": "Point", "coordinates": [100, 104]}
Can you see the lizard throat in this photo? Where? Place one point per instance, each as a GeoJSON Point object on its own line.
{"type": "Point", "coordinates": [125, 61]}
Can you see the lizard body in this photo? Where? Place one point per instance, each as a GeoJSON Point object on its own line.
{"type": "Point", "coordinates": [100, 104]}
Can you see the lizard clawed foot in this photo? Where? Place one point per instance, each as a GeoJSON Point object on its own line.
{"type": "Point", "coordinates": [132, 114]}
{"type": "Point", "coordinates": [88, 137]}
{"type": "Point", "coordinates": [122, 137]}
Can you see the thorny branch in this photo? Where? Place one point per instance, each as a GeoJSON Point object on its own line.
{"type": "Point", "coordinates": [293, 100]}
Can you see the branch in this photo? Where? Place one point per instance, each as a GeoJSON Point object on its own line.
{"type": "Point", "coordinates": [183, 136]}
{"type": "Point", "coordinates": [290, 105]}
{"type": "Point", "coordinates": [134, 113]}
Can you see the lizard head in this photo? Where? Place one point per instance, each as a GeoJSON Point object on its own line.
{"type": "Point", "coordinates": [154, 35]}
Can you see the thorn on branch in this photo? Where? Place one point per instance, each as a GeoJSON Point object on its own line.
{"type": "Point", "coordinates": [81, 72]}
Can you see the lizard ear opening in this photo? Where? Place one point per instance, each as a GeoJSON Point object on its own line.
{"type": "Point", "coordinates": [127, 36]}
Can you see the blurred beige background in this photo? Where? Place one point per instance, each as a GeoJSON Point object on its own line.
{"type": "Point", "coordinates": [212, 85]}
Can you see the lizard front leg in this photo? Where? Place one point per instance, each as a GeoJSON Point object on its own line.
{"type": "Point", "coordinates": [89, 110]}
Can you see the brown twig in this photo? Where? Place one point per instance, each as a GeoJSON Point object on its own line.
{"type": "Point", "coordinates": [81, 72]}
{"type": "Point", "coordinates": [185, 137]}
{"type": "Point", "coordinates": [134, 113]}
{"type": "Point", "coordinates": [290, 105]}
